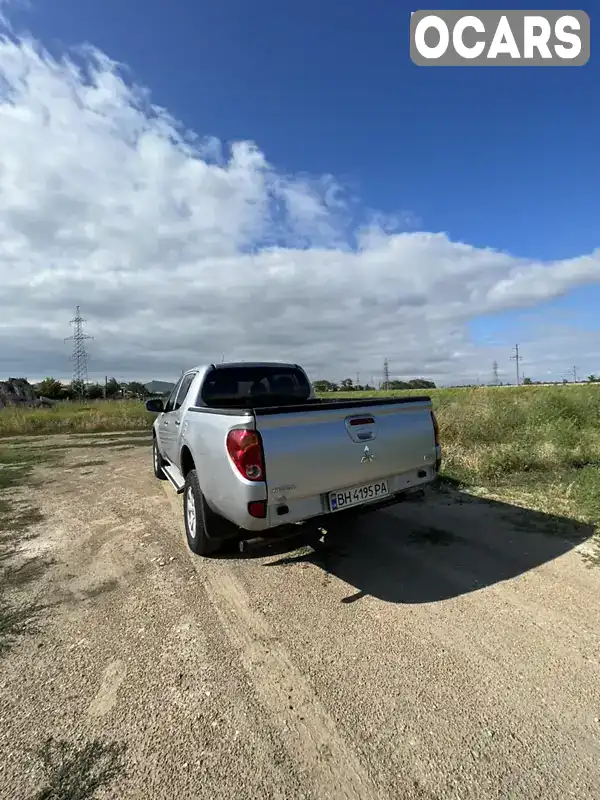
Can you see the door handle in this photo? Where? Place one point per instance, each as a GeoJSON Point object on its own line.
{"type": "Point", "coordinates": [177, 422]}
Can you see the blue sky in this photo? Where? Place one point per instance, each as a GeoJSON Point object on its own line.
{"type": "Point", "coordinates": [496, 157]}
{"type": "Point", "coordinates": [506, 158]}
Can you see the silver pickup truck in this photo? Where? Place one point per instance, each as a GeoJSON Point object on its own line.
{"type": "Point", "coordinates": [253, 450]}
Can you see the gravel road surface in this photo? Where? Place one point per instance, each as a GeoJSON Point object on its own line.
{"type": "Point", "coordinates": [445, 649]}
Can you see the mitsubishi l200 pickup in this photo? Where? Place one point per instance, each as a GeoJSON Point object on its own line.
{"type": "Point", "coordinates": [253, 450]}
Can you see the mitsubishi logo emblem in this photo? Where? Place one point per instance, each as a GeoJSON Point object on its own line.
{"type": "Point", "coordinates": [367, 456]}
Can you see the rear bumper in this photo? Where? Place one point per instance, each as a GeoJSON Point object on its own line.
{"type": "Point", "coordinates": [274, 525]}
{"type": "Point", "coordinates": [340, 518]}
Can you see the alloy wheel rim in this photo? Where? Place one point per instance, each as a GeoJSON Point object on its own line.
{"type": "Point", "coordinates": [191, 512]}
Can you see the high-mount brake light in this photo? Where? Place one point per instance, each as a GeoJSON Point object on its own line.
{"type": "Point", "coordinates": [246, 451]}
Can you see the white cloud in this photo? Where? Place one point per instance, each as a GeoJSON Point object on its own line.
{"type": "Point", "coordinates": [178, 251]}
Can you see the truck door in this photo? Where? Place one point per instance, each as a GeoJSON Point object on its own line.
{"type": "Point", "coordinates": [171, 451]}
{"type": "Point", "coordinates": [165, 421]}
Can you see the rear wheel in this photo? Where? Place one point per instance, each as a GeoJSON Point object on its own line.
{"type": "Point", "coordinates": [157, 461]}
{"type": "Point", "coordinates": [199, 518]}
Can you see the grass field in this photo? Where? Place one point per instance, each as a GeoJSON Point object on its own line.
{"type": "Point", "coordinates": [91, 417]}
{"type": "Point", "coordinates": [536, 446]}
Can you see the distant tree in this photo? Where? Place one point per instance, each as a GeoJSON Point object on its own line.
{"type": "Point", "coordinates": [50, 388]}
{"type": "Point", "coordinates": [527, 381]}
{"type": "Point", "coordinates": [415, 383]}
{"type": "Point", "coordinates": [398, 385]}
{"type": "Point", "coordinates": [136, 389]}
{"type": "Point", "coordinates": [113, 387]}
{"type": "Point", "coordinates": [323, 386]}
{"type": "Point", "coordinates": [76, 389]}
{"type": "Point", "coordinates": [95, 391]}
{"type": "Point", "coordinates": [593, 379]}
{"type": "Point", "coordinates": [421, 383]}
{"type": "Point", "coordinates": [347, 385]}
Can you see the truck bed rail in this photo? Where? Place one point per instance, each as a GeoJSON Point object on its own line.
{"type": "Point", "coordinates": [340, 404]}
{"type": "Point", "coordinates": [320, 405]}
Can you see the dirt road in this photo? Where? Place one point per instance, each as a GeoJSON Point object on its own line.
{"type": "Point", "coordinates": [441, 650]}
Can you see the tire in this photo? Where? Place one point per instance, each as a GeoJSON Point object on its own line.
{"type": "Point", "coordinates": [157, 461]}
{"type": "Point", "coordinates": [198, 517]}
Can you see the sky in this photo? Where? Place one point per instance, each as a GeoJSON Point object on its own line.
{"type": "Point", "coordinates": [278, 181]}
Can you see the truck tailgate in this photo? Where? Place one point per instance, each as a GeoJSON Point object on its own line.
{"type": "Point", "coordinates": [315, 450]}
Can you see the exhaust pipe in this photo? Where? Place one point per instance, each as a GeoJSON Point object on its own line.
{"type": "Point", "coordinates": [247, 544]}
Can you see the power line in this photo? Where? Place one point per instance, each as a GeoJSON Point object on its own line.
{"type": "Point", "coordinates": [518, 358]}
{"type": "Point", "coordinates": [79, 354]}
{"type": "Point", "coordinates": [573, 372]}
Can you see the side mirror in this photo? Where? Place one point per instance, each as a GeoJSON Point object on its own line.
{"type": "Point", "coordinates": [155, 405]}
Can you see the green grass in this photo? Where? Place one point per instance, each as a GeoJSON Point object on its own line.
{"type": "Point", "coordinates": [533, 447]}
{"type": "Point", "coordinates": [91, 417]}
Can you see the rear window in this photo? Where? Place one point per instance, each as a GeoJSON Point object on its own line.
{"type": "Point", "coordinates": [254, 387]}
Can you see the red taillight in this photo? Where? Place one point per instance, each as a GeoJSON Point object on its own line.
{"type": "Point", "coordinates": [436, 430]}
{"type": "Point", "coordinates": [258, 509]}
{"type": "Point", "coordinates": [246, 452]}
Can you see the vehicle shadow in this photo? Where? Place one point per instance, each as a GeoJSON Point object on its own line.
{"type": "Point", "coordinates": [441, 547]}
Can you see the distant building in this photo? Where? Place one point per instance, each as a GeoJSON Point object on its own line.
{"type": "Point", "coordinates": [159, 387]}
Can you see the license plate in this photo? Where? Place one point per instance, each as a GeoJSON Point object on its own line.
{"type": "Point", "coordinates": [354, 496]}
